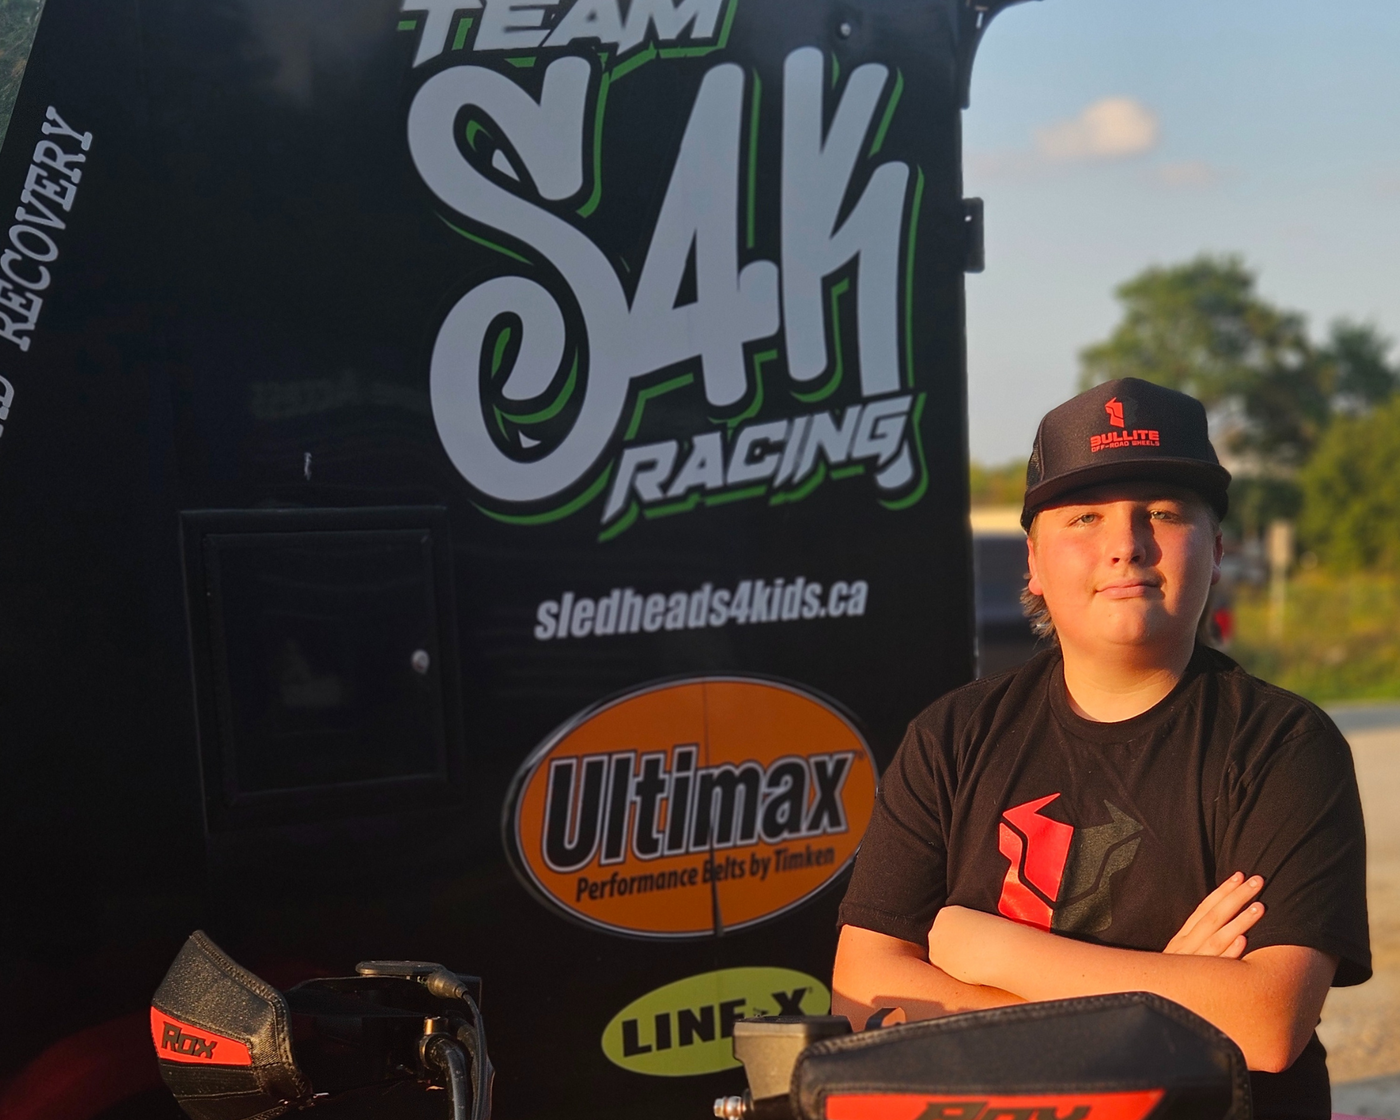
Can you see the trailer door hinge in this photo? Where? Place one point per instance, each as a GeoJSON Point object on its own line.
{"type": "Point", "coordinates": [974, 244]}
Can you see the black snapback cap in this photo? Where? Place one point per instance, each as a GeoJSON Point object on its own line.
{"type": "Point", "coordinates": [1123, 430]}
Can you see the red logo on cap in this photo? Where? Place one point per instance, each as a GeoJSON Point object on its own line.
{"type": "Point", "coordinates": [1114, 408]}
{"type": "Point", "coordinates": [1137, 437]}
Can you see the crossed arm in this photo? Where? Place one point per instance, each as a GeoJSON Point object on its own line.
{"type": "Point", "coordinates": [1268, 1001]}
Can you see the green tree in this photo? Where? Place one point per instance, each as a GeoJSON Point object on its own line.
{"type": "Point", "coordinates": [1202, 328]}
{"type": "Point", "coordinates": [1361, 374]}
{"type": "Point", "coordinates": [19, 19]}
{"type": "Point", "coordinates": [1351, 491]}
{"type": "Point", "coordinates": [998, 486]}
{"type": "Point", "coordinates": [1187, 326]}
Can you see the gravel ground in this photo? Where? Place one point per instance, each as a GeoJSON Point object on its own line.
{"type": "Point", "coordinates": [1361, 1025]}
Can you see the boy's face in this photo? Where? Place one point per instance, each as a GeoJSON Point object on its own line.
{"type": "Point", "coordinates": [1125, 565]}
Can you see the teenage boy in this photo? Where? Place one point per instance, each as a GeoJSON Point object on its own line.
{"type": "Point", "coordinates": [1129, 810]}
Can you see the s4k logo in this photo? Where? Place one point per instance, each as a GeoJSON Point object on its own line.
{"type": "Point", "coordinates": [770, 299]}
{"type": "Point", "coordinates": [685, 809]}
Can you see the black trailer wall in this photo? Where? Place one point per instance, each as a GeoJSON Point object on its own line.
{"type": "Point", "coordinates": [483, 484]}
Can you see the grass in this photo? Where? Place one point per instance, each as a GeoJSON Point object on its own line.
{"type": "Point", "coordinates": [1341, 636]}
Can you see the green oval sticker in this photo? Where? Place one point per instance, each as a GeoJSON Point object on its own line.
{"type": "Point", "coordinates": [687, 1027]}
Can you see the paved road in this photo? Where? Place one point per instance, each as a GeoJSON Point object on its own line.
{"type": "Point", "coordinates": [1361, 1026]}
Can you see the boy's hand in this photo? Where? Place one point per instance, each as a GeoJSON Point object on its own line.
{"type": "Point", "coordinates": [970, 945]}
{"type": "Point", "coordinates": [1218, 926]}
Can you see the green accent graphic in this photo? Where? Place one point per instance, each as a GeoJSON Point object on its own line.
{"type": "Point", "coordinates": [523, 61]}
{"type": "Point", "coordinates": [728, 24]}
{"type": "Point", "coordinates": [756, 365]}
{"type": "Point", "coordinates": [624, 67]}
{"type": "Point", "coordinates": [751, 208]}
{"type": "Point", "coordinates": [594, 489]}
{"type": "Point", "coordinates": [620, 526]}
{"type": "Point", "coordinates": [460, 39]}
{"type": "Point", "coordinates": [651, 393]}
{"type": "Point", "coordinates": [818, 477]}
{"type": "Point", "coordinates": [482, 241]}
{"type": "Point", "coordinates": [909, 277]}
{"type": "Point", "coordinates": [502, 341]}
{"type": "Point", "coordinates": [407, 24]}
{"type": "Point", "coordinates": [890, 106]}
{"type": "Point", "coordinates": [839, 289]}
{"type": "Point", "coordinates": [475, 129]}
{"type": "Point", "coordinates": [848, 471]}
{"type": "Point", "coordinates": [922, 488]}
{"type": "Point", "coordinates": [835, 71]}
{"type": "Point", "coordinates": [738, 495]}
{"type": "Point", "coordinates": [691, 501]}
{"type": "Point", "coordinates": [685, 505]}
{"type": "Point", "coordinates": [718, 45]}
{"type": "Point", "coordinates": [552, 409]}
{"type": "Point", "coordinates": [598, 113]}
{"type": "Point", "coordinates": [641, 58]}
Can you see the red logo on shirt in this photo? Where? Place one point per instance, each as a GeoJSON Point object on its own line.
{"type": "Point", "coordinates": [1059, 875]}
{"type": "Point", "coordinates": [1114, 408]}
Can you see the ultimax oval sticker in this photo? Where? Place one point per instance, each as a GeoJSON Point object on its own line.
{"type": "Point", "coordinates": [687, 1027]}
{"type": "Point", "coordinates": [688, 808]}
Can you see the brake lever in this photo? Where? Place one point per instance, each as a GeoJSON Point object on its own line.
{"type": "Point", "coordinates": [440, 981]}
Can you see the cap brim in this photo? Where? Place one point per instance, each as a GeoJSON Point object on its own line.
{"type": "Point", "coordinates": [1209, 480]}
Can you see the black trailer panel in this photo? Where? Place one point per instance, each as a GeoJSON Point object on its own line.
{"type": "Point", "coordinates": [481, 483]}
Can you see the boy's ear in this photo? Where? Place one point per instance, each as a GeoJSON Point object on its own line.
{"type": "Point", "coordinates": [1033, 584]}
{"type": "Point", "coordinates": [1219, 555]}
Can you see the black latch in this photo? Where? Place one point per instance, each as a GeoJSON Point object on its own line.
{"type": "Point", "coordinates": [974, 244]}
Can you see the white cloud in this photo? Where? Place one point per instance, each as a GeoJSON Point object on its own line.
{"type": "Point", "coordinates": [1110, 128]}
{"type": "Point", "coordinates": [1187, 174]}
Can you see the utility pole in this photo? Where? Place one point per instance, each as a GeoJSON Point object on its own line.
{"type": "Point", "coordinates": [1280, 551]}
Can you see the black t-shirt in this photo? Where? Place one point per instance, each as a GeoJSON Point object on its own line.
{"type": "Point", "coordinates": [1001, 799]}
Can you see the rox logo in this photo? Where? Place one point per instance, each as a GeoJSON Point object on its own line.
{"type": "Point", "coordinates": [1130, 1105]}
{"type": "Point", "coordinates": [685, 1027]}
{"type": "Point", "coordinates": [539, 379]}
{"type": "Point", "coordinates": [176, 1041]}
{"type": "Point", "coordinates": [684, 809]}
{"type": "Point", "coordinates": [174, 1038]}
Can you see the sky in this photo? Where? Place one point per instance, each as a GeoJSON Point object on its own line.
{"type": "Point", "coordinates": [1109, 135]}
